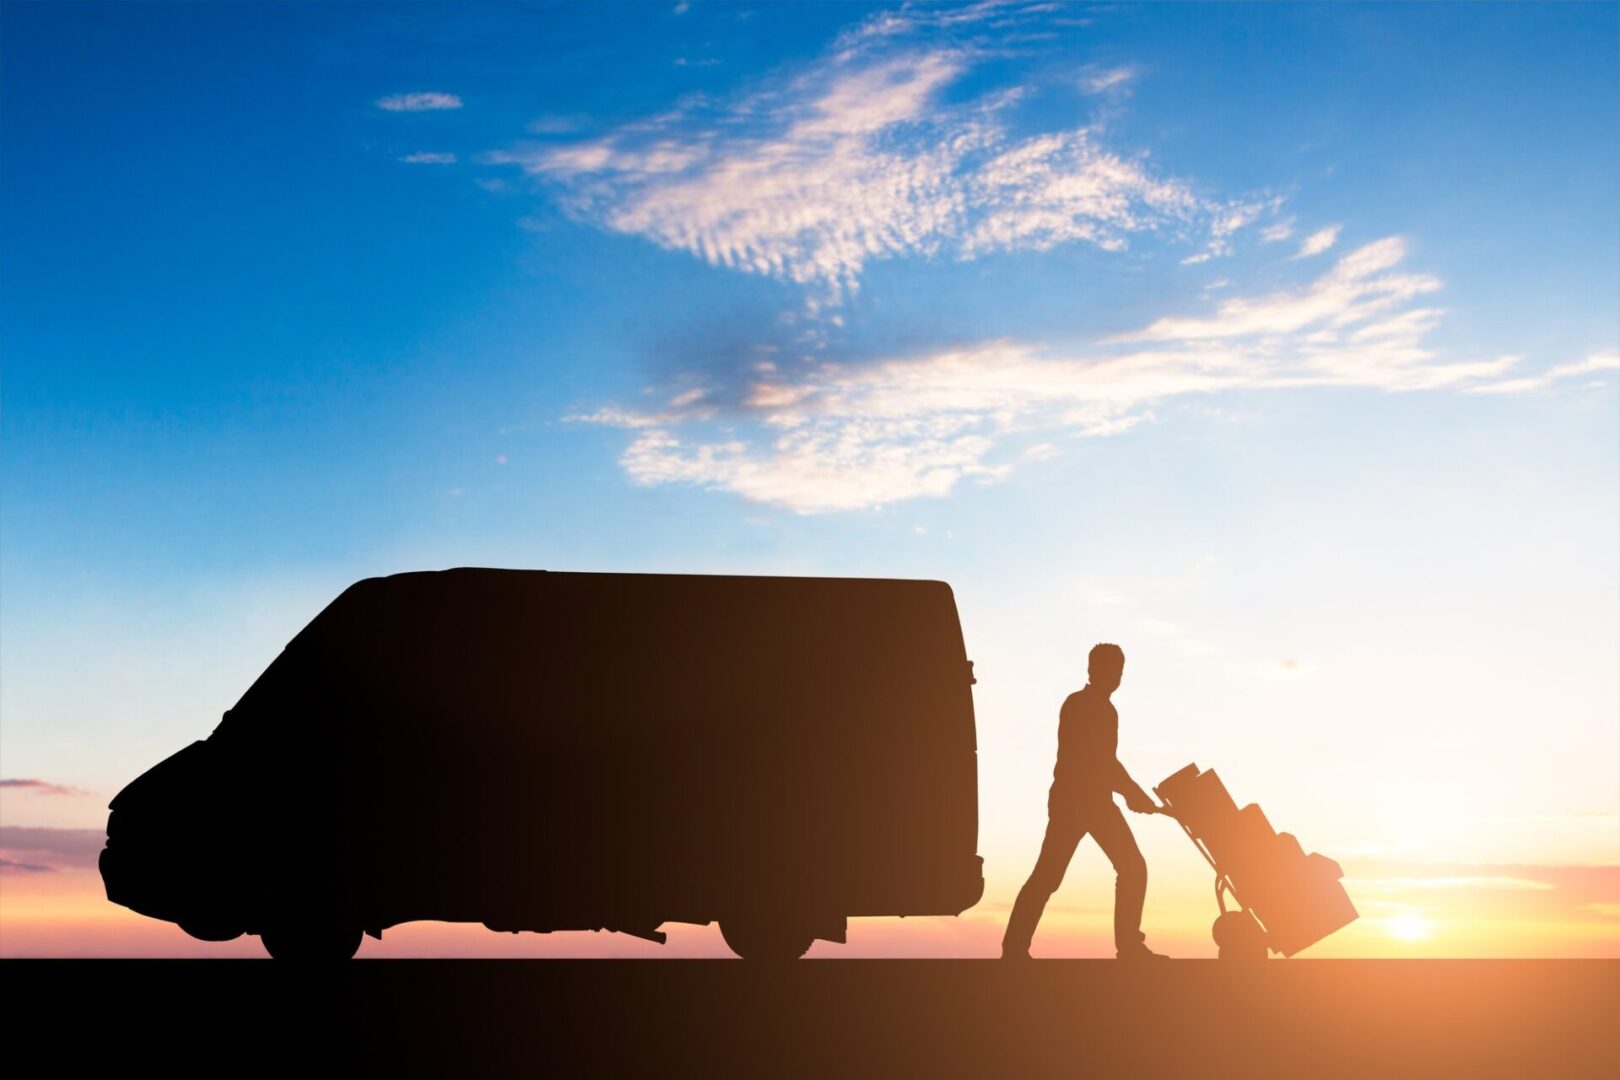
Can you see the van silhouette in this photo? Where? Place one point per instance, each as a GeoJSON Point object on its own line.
{"type": "Point", "coordinates": [546, 751]}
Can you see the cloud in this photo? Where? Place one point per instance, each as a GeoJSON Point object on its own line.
{"type": "Point", "coordinates": [421, 101]}
{"type": "Point", "coordinates": [1197, 648]}
{"type": "Point", "coordinates": [811, 201]}
{"type": "Point", "coordinates": [10, 866]}
{"type": "Point", "coordinates": [914, 19]}
{"type": "Point", "coordinates": [40, 787]}
{"type": "Point", "coordinates": [1277, 231]}
{"type": "Point", "coordinates": [822, 467]}
{"type": "Point", "coordinates": [555, 124]}
{"type": "Point", "coordinates": [1319, 241]}
{"type": "Point", "coordinates": [865, 155]}
{"type": "Point", "coordinates": [1593, 364]}
{"type": "Point", "coordinates": [1459, 881]}
{"type": "Point", "coordinates": [1359, 285]}
{"type": "Point", "coordinates": [429, 159]}
{"type": "Point", "coordinates": [1569, 892]}
{"type": "Point", "coordinates": [1110, 79]}
{"type": "Point", "coordinates": [1042, 452]}
{"type": "Point", "coordinates": [612, 416]}
{"type": "Point", "coordinates": [51, 848]}
{"type": "Point", "coordinates": [830, 437]}
{"type": "Point", "coordinates": [1063, 187]}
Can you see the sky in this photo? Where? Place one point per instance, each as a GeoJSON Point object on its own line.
{"type": "Point", "coordinates": [1279, 344]}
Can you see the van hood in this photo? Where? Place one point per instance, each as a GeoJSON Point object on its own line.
{"type": "Point", "coordinates": [170, 774]}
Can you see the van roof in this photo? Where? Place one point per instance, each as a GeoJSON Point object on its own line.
{"type": "Point", "coordinates": [406, 631]}
{"type": "Point", "coordinates": [462, 573]}
{"type": "Point", "coordinates": [428, 589]}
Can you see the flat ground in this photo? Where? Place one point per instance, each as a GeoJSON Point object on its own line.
{"type": "Point", "coordinates": [1193, 1018]}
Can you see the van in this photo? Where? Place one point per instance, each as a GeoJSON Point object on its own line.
{"type": "Point", "coordinates": [543, 751]}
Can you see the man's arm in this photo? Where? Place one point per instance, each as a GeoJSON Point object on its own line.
{"type": "Point", "coordinates": [1135, 798]}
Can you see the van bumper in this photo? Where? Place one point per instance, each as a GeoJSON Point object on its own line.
{"type": "Point", "coordinates": [941, 891]}
{"type": "Point", "coordinates": [972, 886]}
{"type": "Point", "coordinates": [132, 886]}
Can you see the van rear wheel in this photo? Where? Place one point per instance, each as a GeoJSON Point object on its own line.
{"type": "Point", "coordinates": [767, 939]}
{"type": "Point", "coordinates": [308, 941]}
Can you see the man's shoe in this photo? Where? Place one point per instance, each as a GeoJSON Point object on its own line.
{"type": "Point", "coordinates": [1140, 952]}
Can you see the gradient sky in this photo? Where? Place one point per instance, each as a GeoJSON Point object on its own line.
{"type": "Point", "coordinates": [1277, 343]}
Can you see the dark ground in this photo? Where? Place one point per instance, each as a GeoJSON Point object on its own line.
{"type": "Point", "coordinates": [825, 1018]}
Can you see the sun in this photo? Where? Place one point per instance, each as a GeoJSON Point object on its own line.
{"type": "Point", "coordinates": [1409, 926]}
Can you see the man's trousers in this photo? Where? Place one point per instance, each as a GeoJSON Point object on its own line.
{"type": "Point", "coordinates": [1065, 827]}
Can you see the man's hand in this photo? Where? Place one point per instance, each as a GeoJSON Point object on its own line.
{"type": "Point", "coordinates": [1139, 802]}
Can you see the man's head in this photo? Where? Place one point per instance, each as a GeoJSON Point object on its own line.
{"type": "Point", "coordinates": [1106, 666]}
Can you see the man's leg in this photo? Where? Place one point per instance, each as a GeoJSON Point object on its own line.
{"type": "Point", "coordinates": [1130, 875]}
{"type": "Point", "coordinates": [1062, 836]}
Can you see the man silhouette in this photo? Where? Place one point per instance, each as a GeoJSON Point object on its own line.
{"type": "Point", "coordinates": [1081, 801]}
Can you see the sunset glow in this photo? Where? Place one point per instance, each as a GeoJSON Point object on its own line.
{"type": "Point", "coordinates": [1409, 926]}
{"type": "Point", "coordinates": [1279, 344]}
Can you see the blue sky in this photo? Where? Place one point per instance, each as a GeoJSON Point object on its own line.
{"type": "Point", "coordinates": [1277, 341]}
{"type": "Point", "coordinates": [217, 253]}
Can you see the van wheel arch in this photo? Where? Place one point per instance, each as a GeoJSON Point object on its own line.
{"type": "Point", "coordinates": [204, 930]}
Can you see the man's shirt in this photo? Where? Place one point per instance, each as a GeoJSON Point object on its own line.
{"type": "Point", "coordinates": [1088, 770]}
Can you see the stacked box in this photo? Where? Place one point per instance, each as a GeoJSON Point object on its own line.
{"type": "Point", "coordinates": [1298, 898]}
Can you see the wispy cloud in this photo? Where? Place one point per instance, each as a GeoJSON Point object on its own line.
{"type": "Point", "coordinates": [1360, 286]}
{"type": "Point", "coordinates": [1319, 241]}
{"type": "Point", "coordinates": [12, 866]}
{"type": "Point", "coordinates": [1109, 79]}
{"type": "Point", "coordinates": [39, 848]}
{"type": "Point", "coordinates": [555, 124]}
{"type": "Point", "coordinates": [829, 437]}
{"type": "Point", "coordinates": [1447, 882]}
{"type": "Point", "coordinates": [424, 158]}
{"type": "Point", "coordinates": [421, 101]}
{"type": "Point", "coordinates": [1597, 363]}
{"type": "Point", "coordinates": [913, 19]}
{"type": "Point", "coordinates": [860, 156]}
{"type": "Point", "coordinates": [39, 787]}
{"type": "Point", "coordinates": [1277, 231]}
{"type": "Point", "coordinates": [1567, 892]}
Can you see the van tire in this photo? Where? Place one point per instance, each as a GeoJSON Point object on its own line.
{"type": "Point", "coordinates": [308, 942]}
{"type": "Point", "coordinates": [766, 939]}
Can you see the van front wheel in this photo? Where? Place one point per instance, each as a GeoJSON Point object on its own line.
{"type": "Point", "coordinates": [754, 938]}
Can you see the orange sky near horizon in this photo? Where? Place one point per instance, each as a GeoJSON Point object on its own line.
{"type": "Point", "coordinates": [1485, 912]}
